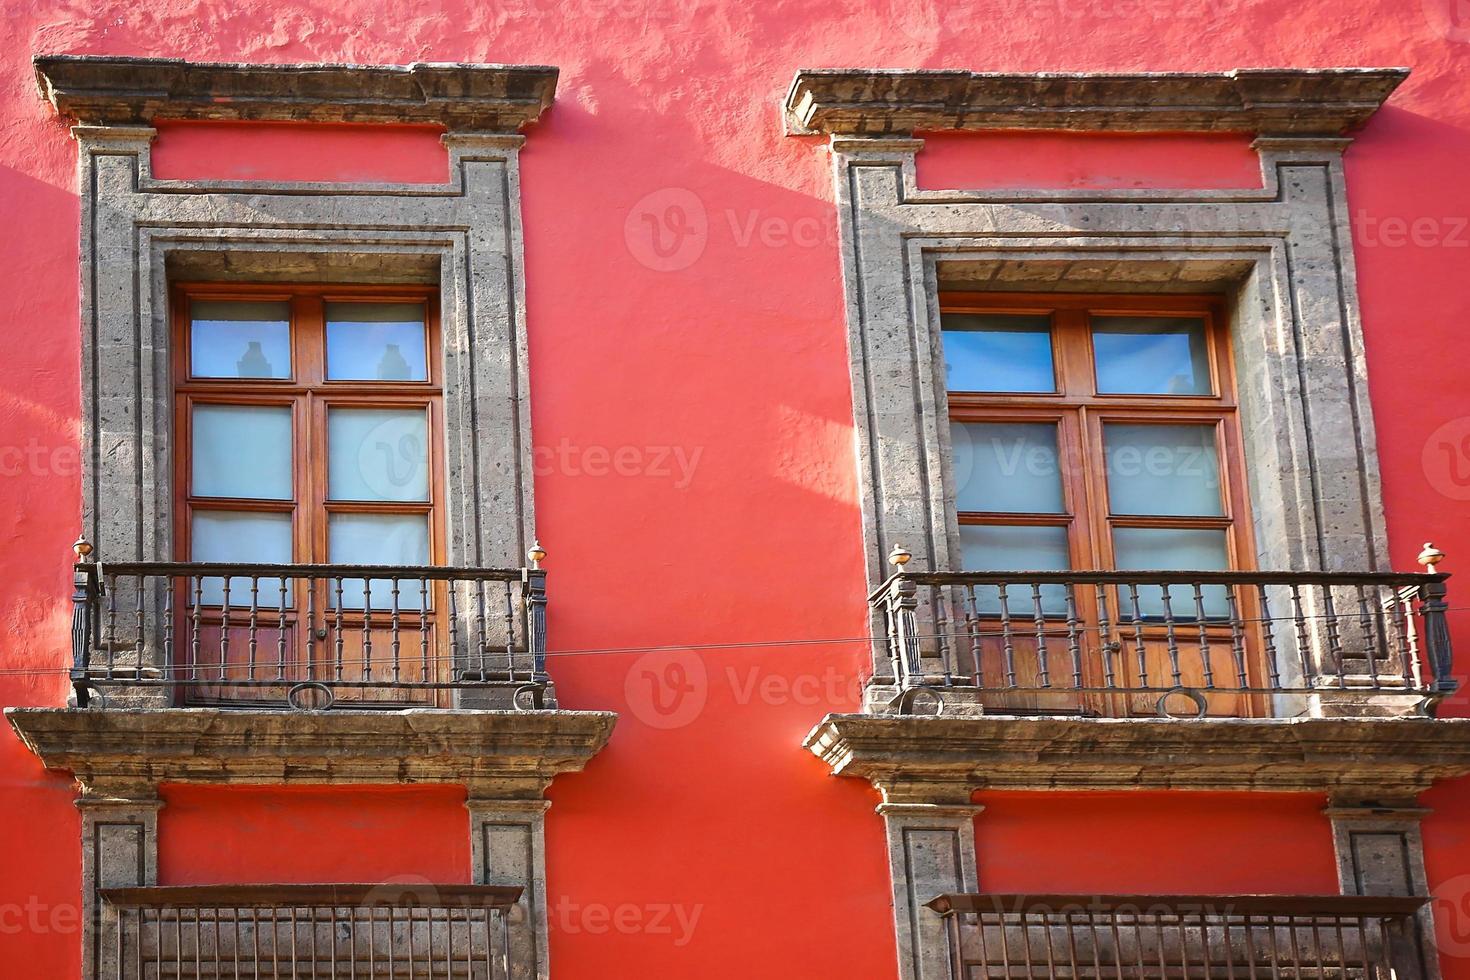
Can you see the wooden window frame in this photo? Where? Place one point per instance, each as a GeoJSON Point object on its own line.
{"type": "Point", "coordinates": [309, 394]}
{"type": "Point", "coordinates": [1079, 412]}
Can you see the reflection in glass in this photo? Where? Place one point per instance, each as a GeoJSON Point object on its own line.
{"type": "Point", "coordinates": [995, 548]}
{"type": "Point", "coordinates": [376, 342]}
{"type": "Point", "coordinates": [229, 536]}
{"type": "Point", "coordinates": [239, 339]}
{"type": "Point", "coordinates": [241, 451]}
{"type": "Point", "coordinates": [378, 539]}
{"type": "Point", "coordinates": [1171, 549]}
{"type": "Point", "coordinates": [378, 454]}
{"type": "Point", "coordinates": [995, 352]}
{"type": "Point", "coordinates": [1151, 355]}
{"type": "Point", "coordinates": [1008, 467]}
{"type": "Point", "coordinates": [1168, 470]}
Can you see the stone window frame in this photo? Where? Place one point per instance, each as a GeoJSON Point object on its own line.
{"type": "Point", "coordinates": [139, 232]}
{"type": "Point", "coordinates": [1282, 252]}
{"type": "Point", "coordinates": [463, 235]}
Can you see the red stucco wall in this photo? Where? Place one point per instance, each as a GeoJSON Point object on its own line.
{"type": "Point", "coordinates": [704, 842]}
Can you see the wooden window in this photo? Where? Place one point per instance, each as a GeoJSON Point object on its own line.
{"type": "Point", "coordinates": [1096, 432]}
{"type": "Point", "coordinates": [310, 426]}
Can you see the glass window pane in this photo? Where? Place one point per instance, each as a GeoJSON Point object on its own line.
{"type": "Point", "coordinates": [378, 454]}
{"type": "Point", "coordinates": [1008, 467]}
{"type": "Point", "coordinates": [1169, 549]}
{"type": "Point", "coordinates": [993, 352]}
{"type": "Point", "coordinates": [378, 539]}
{"type": "Point", "coordinates": [229, 536]}
{"type": "Point", "coordinates": [376, 342]}
{"type": "Point", "coordinates": [993, 548]}
{"type": "Point", "coordinates": [1164, 470]}
{"type": "Point", "coordinates": [241, 451]}
{"type": "Point", "coordinates": [235, 339]}
{"type": "Point", "coordinates": [1151, 355]}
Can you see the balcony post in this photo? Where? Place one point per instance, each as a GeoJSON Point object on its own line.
{"type": "Point", "coordinates": [931, 852]}
{"type": "Point", "coordinates": [535, 579]}
{"type": "Point", "coordinates": [83, 613]}
{"type": "Point", "coordinates": [900, 606]}
{"type": "Point", "coordinates": [1432, 606]}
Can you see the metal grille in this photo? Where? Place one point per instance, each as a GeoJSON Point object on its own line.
{"type": "Point", "coordinates": [1010, 937]}
{"type": "Point", "coordinates": [307, 931]}
{"type": "Point", "coordinates": [1040, 639]}
{"type": "Point", "coordinates": [308, 635]}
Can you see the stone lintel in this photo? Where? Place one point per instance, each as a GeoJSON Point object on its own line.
{"type": "Point", "coordinates": [103, 91]}
{"type": "Point", "coordinates": [513, 754]}
{"type": "Point", "coordinates": [1374, 758]}
{"type": "Point", "coordinates": [1266, 101]}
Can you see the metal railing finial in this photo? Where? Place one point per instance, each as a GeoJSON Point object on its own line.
{"type": "Point", "coordinates": [82, 548]}
{"type": "Point", "coordinates": [536, 553]}
{"type": "Point", "coordinates": [900, 556]}
{"type": "Point", "coordinates": [1430, 556]}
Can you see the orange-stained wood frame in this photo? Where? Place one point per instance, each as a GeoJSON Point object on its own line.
{"type": "Point", "coordinates": [309, 395]}
{"type": "Point", "coordinates": [1080, 411]}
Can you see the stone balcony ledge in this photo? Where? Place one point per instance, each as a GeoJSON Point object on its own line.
{"type": "Point", "coordinates": [500, 753]}
{"type": "Point", "coordinates": [1368, 758]}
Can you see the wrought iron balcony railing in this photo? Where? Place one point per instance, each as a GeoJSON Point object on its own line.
{"type": "Point", "coordinates": [1125, 643]}
{"type": "Point", "coordinates": [1330, 937]}
{"type": "Point", "coordinates": [309, 635]}
{"type": "Point", "coordinates": [192, 933]}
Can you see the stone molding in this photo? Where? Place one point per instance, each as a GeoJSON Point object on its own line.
{"type": "Point", "coordinates": [464, 234]}
{"type": "Point", "coordinates": [1281, 253]}
{"type": "Point", "coordinates": [512, 754]}
{"type": "Point", "coordinates": [1267, 101]}
{"type": "Point", "coordinates": [1368, 758]}
{"type": "Point", "coordinates": [128, 91]}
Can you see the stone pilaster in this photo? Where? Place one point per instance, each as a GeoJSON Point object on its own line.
{"type": "Point", "coordinates": [508, 847]}
{"type": "Point", "coordinates": [119, 848]}
{"type": "Point", "coordinates": [1380, 851]}
{"type": "Point", "coordinates": [931, 852]}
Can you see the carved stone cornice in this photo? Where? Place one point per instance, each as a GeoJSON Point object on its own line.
{"type": "Point", "coordinates": [1377, 757]}
{"type": "Point", "coordinates": [1266, 101]}
{"type": "Point", "coordinates": [132, 91]}
{"type": "Point", "coordinates": [516, 751]}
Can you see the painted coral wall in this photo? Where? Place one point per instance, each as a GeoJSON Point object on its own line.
{"type": "Point", "coordinates": [704, 841]}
